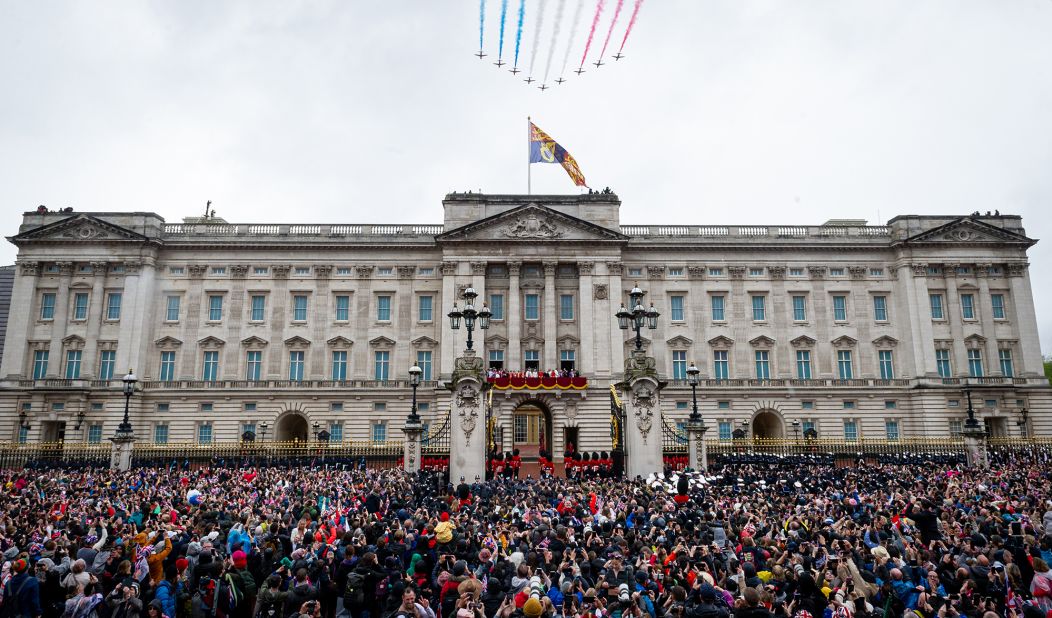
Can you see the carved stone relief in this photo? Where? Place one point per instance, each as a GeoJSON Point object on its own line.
{"type": "Point", "coordinates": [532, 227]}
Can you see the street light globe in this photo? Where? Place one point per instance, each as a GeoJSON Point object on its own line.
{"type": "Point", "coordinates": [692, 374]}
{"type": "Point", "coordinates": [414, 375]}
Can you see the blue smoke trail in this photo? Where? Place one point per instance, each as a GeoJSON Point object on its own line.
{"type": "Point", "coordinates": [503, 14]}
{"type": "Point", "coordinates": [518, 32]}
{"type": "Point", "coordinates": [482, 20]}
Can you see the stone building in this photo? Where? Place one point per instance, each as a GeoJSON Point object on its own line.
{"type": "Point", "coordinates": [286, 330]}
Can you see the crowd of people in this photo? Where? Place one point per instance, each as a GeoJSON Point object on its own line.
{"type": "Point", "coordinates": [751, 538]}
{"type": "Point", "coordinates": [530, 372]}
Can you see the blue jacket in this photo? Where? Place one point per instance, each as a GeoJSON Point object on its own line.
{"type": "Point", "coordinates": [166, 594]}
{"type": "Point", "coordinates": [23, 591]}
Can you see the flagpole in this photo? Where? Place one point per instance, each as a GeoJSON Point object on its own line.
{"type": "Point", "coordinates": [528, 153]}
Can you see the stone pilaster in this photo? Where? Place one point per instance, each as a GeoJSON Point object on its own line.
{"type": "Point", "coordinates": [513, 318]}
{"type": "Point", "coordinates": [1022, 303]}
{"type": "Point", "coordinates": [550, 316]}
{"type": "Point", "coordinates": [586, 319]}
{"type": "Point", "coordinates": [642, 416]}
{"type": "Point", "coordinates": [121, 452]}
{"type": "Point", "coordinates": [63, 314]}
{"type": "Point", "coordinates": [411, 447]}
{"type": "Point", "coordinates": [467, 444]}
{"type": "Point", "coordinates": [23, 294]}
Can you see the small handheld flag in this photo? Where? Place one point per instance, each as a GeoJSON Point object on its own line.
{"type": "Point", "coordinates": [543, 149]}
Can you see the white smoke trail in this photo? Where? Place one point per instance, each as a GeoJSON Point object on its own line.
{"type": "Point", "coordinates": [573, 31]}
{"type": "Point", "coordinates": [555, 36]}
{"type": "Point", "coordinates": [537, 34]}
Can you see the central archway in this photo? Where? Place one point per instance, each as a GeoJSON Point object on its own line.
{"type": "Point", "coordinates": [767, 425]}
{"type": "Point", "coordinates": [291, 428]}
{"type": "Point", "coordinates": [531, 429]}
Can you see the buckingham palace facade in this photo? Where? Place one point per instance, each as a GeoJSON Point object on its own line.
{"type": "Point", "coordinates": [853, 330]}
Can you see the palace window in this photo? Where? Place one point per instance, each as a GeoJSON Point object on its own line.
{"type": "Point", "coordinates": [880, 308]}
{"type": "Point", "coordinates": [39, 364]}
{"type": "Point", "coordinates": [339, 365]}
{"type": "Point", "coordinates": [799, 308]}
{"type": "Point", "coordinates": [998, 305]}
{"type": "Point", "coordinates": [840, 308]}
{"type": "Point", "coordinates": [975, 363]}
{"type": "Point", "coordinates": [968, 306]}
{"type": "Point", "coordinates": [423, 360]}
{"type": "Point", "coordinates": [496, 306]}
{"type": "Point", "coordinates": [676, 308]}
{"type": "Point", "coordinates": [296, 365]}
{"type": "Point", "coordinates": [679, 365]}
{"type": "Point", "coordinates": [80, 306]}
{"type": "Point", "coordinates": [211, 367]}
{"type": "Point", "coordinates": [759, 308]}
{"type": "Point", "coordinates": [565, 306]}
{"type": "Point", "coordinates": [160, 434]}
{"type": "Point", "coordinates": [299, 308]}
{"type": "Point", "coordinates": [73, 364]}
{"type": "Point", "coordinates": [343, 308]}
{"type": "Point", "coordinates": [381, 365]}
{"type": "Point", "coordinates": [803, 364]}
{"type": "Point", "coordinates": [425, 308]}
{"type": "Point", "coordinates": [383, 308]}
{"type": "Point", "coordinates": [171, 313]}
{"type": "Point", "coordinates": [215, 308]}
{"type": "Point", "coordinates": [532, 307]}
{"type": "Point", "coordinates": [254, 365]}
{"type": "Point", "coordinates": [936, 306]}
{"type": "Point", "coordinates": [107, 361]}
{"type": "Point", "coordinates": [887, 367]}
{"type": "Point", "coordinates": [1005, 356]}
{"type": "Point", "coordinates": [843, 361]}
{"type": "Point", "coordinates": [167, 373]}
{"type": "Point", "coordinates": [763, 365]}
{"type": "Point", "coordinates": [259, 307]}
{"type": "Point", "coordinates": [47, 306]}
{"type": "Point", "coordinates": [718, 314]}
{"type": "Point", "coordinates": [942, 363]}
{"type": "Point", "coordinates": [720, 365]}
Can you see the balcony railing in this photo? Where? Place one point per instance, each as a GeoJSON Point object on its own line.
{"type": "Point", "coordinates": [544, 382]}
{"type": "Point", "coordinates": [186, 230]}
{"type": "Point", "coordinates": [757, 231]}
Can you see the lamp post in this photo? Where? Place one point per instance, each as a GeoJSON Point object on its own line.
{"type": "Point", "coordinates": [1024, 429]}
{"type": "Point", "coordinates": [745, 428]}
{"type": "Point", "coordinates": [796, 429]}
{"type": "Point", "coordinates": [124, 430]}
{"type": "Point", "coordinates": [315, 426]}
{"type": "Point", "coordinates": [124, 438]}
{"type": "Point", "coordinates": [974, 435]}
{"type": "Point", "coordinates": [414, 380]}
{"type": "Point", "coordinates": [262, 431]}
{"type": "Point", "coordinates": [698, 454]}
{"type": "Point", "coordinates": [692, 378]}
{"type": "Point", "coordinates": [635, 318]}
{"type": "Point", "coordinates": [469, 314]}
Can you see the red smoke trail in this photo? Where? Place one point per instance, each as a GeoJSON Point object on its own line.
{"type": "Point", "coordinates": [613, 22]}
{"type": "Point", "coordinates": [591, 33]}
{"type": "Point", "coordinates": [631, 22]}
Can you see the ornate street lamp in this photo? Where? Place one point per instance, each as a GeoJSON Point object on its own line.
{"type": "Point", "coordinates": [1024, 429]}
{"type": "Point", "coordinates": [692, 378]}
{"type": "Point", "coordinates": [638, 316]}
{"type": "Point", "coordinates": [796, 429]}
{"type": "Point", "coordinates": [315, 426]}
{"type": "Point", "coordinates": [414, 381]}
{"type": "Point", "coordinates": [972, 423]}
{"type": "Point", "coordinates": [469, 314]}
{"type": "Point", "coordinates": [124, 430]}
{"type": "Point", "coordinates": [262, 431]}
{"type": "Point", "coordinates": [745, 428]}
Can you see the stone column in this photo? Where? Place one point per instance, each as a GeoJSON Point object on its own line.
{"type": "Point", "coordinates": [642, 416]}
{"type": "Point", "coordinates": [586, 320]}
{"type": "Point", "coordinates": [88, 365]}
{"type": "Point", "coordinates": [136, 314]}
{"type": "Point", "coordinates": [63, 314]}
{"type": "Point", "coordinates": [19, 322]}
{"type": "Point", "coordinates": [363, 321]}
{"type": "Point", "coordinates": [550, 316]}
{"type": "Point", "coordinates": [411, 446]}
{"type": "Point", "coordinates": [612, 354]}
{"type": "Point", "coordinates": [121, 452]}
{"type": "Point", "coordinates": [975, 441]}
{"type": "Point", "coordinates": [445, 304]}
{"type": "Point", "coordinates": [467, 444]}
{"type": "Point", "coordinates": [697, 449]}
{"type": "Point", "coordinates": [513, 318]}
{"type": "Point", "coordinates": [920, 321]}
{"type": "Point", "coordinates": [986, 317]}
{"type": "Point", "coordinates": [230, 368]}
{"type": "Point", "coordinates": [954, 317]}
{"type": "Point", "coordinates": [478, 281]}
{"type": "Point", "coordinates": [405, 302]}
{"type": "Point", "coordinates": [1022, 300]}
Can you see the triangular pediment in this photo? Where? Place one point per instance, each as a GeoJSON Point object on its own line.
{"type": "Point", "coordinates": [381, 342]}
{"type": "Point", "coordinates": [803, 341]}
{"type": "Point", "coordinates": [340, 341]}
{"type": "Point", "coordinates": [968, 231]}
{"type": "Point", "coordinates": [721, 341]}
{"type": "Point", "coordinates": [531, 223]}
{"type": "Point", "coordinates": [494, 340]}
{"type": "Point", "coordinates": [680, 341]}
{"type": "Point", "coordinates": [296, 342]}
{"type": "Point", "coordinates": [78, 228]}
{"type": "Point", "coordinates": [254, 341]}
{"type": "Point", "coordinates": [763, 341]}
{"type": "Point", "coordinates": [168, 342]}
{"type": "Point", "coordinates": [844, 341]}
{"type": "Point", "coordinates": [73, 340]}
{"type": "Point", "coordinates": [568, 340]}
{"type": "Point", "coordinates": [424, 342]}
{"type": "Point", "coordinates": [884, 341]}
{"type": "Point", "coordinates": [211, 342]}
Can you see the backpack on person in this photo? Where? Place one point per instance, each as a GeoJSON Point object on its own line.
{"type": "Point", "coordinates": [382, 588]}
{"type": "Point", "coordinates": [354, 591]}
{"type": "Point", "coordinates": [207, 597]}
{"type": "Point", "coordinates": [230, 596]}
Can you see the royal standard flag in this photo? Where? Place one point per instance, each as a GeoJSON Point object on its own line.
{"type": "Point", "coordinates": [543, 149]}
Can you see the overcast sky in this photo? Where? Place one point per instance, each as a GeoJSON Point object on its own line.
{"type": "Point", "coordinates": [723, 111]}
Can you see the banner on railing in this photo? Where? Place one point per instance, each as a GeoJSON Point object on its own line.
{"type": "Point", "coordinates": [546, 382]}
